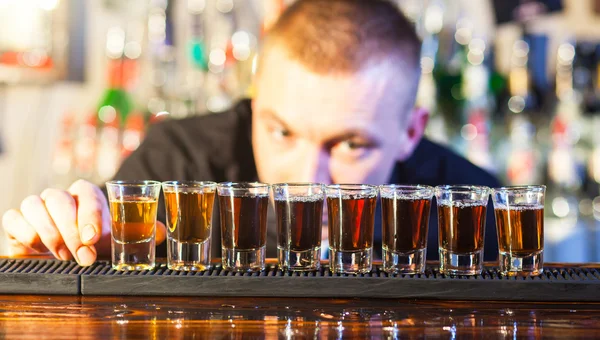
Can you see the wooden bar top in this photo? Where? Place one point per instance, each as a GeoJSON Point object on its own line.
{"type": "Point", "coordinates": [92, 317]}
{"type": "Point", "coordinates": [33, 317]}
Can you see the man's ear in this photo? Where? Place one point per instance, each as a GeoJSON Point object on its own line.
{"type": "Point", "coordinates": [416, 129]}
{"type": "Point", "coordinates": [420, 117]}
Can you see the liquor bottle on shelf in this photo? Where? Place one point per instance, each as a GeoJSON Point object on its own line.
{"type": "Point", "coordinates": [564, 158]}
{"type": "Point", "coordinates": [593, 107]}
{"type": "Point", "coordinates": [478, 103]}
{"type": "Point", "coordinates": [523, 157]}
{"type": "Point", "coordinates": [109, 150]}
{"type": "Point", "coordinates": [116, 98]}
{"type": "Point", "coordinates": [565, 165]}
{"type": "Point", "coordinates": [86, 148]}
{"type": "Point", "coordinates": [116, 102]}
{"type": "Point", "coordinates": [63, 158]}
{"type": "Point", "coordinates": [133, 133]}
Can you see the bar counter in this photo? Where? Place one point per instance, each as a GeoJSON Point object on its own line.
{"type": "Point", "coordinates": [91, 317]}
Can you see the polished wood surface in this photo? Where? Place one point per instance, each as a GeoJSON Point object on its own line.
{"type": "Point", "coordinates": [85, 317]}
{"type": "Point", "coordinates": [30, 317]}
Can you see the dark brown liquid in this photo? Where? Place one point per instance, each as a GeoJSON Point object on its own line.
{"type": "Point", "coordinates": [243, 221]}
{"type": "Point", "coordinates": [520, 231]}
{"type": "Point", "coordinates": [405, 223]}
{"type": "Point", "coordinates": [299, 223]}
{"type": "Point", "coordinates": [189, 215]}
{"type": "Point", "coordinates": [461, 228]}
{"type": "Point", "coordinates": [133, 219]}
{"type": "Point", "coordinates": [351, 222]}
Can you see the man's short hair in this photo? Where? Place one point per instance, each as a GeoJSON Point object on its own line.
{"type": "Point", "coordinates": [344, 36]}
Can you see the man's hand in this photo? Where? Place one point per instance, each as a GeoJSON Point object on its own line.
{"type": "Point", "coordinates": [69, 224]}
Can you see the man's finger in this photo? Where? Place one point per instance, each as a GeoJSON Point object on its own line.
{"type": "Point", "coordinates": [17, 228]}
{"type": "Point", "coordinates": [92, 211]}
{"type": "Point", "coordinates": [17, 249]}
{"type": "Point", "coordinates": [34, 211]}
{"type": "Point", "coordinates": [62, 207]}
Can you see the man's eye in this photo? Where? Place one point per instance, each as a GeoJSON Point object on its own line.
{"type": "Point", "coordinates": [352, 149]}
{"type": "Point", "coordinates": [280, 133]}
{"type": "Point", "coordinates": [351, 145]}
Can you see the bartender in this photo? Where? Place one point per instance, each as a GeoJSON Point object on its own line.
{"type": "Point", "coordinates": [334, 103]}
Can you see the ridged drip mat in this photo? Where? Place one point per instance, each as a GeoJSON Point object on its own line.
{"type": "Point", "coordinates": [32, 276]}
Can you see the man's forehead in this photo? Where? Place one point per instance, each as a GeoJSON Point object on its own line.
{"type": "Point", "coordinates": [285, 84]}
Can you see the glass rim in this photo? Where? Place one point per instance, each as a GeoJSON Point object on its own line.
{"type": "Point", "coordinates": [463, 188]}
{"type": "Point", "coordinates": [242, 185]}
{"type": "Point", "coordinates": [520, 188]}
{"type": "Point", "coordinates": [134, 183]}
{"type": "Point", "coordinates": [298, 184]}
{"type": "Point", "coordinates": [190, 184]}
{"type": "Point", "coordinates": [406, 191]}
{"type": "Point", "coordinates": [351, 186]}
{"type": "Point", "coordinates": [407, 187]}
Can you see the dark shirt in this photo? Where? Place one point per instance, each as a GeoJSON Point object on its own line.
{"type": "Point", "coordinates": [218, 148]}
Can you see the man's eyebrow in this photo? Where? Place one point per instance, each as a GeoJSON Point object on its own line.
{"type": "Point", "coordinates": [268, 114]}
{"type": "Point", "coordinates": [353, 134]}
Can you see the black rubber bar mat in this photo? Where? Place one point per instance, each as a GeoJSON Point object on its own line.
{"type": "Point", "coordinates": [40, 277]}
{"type": "Point", "coordinates": [555, 284]}
{"type": "Point", "coordinates": [57, 277]}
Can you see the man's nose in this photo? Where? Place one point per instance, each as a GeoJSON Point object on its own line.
{"type": "Point", "coordinates": [315, 168]}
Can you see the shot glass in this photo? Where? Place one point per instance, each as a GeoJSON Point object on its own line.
{"type": "Point", "coordinates": [351, 215]}
{"type": "Point", "coordinates": [299, 210]}
{"type": "Point", "coordinates": [133, 206]}
{"type": "Point", "coordinates": [243, 211]}
{"type": "Point", "coordinates": [461, 226]}
{"type": "Point", "coordinates": [189, 211]}
{"type": "Point", "coordinates": [405, 221]}
{"type": "Point", "coordinates": [520, 226]}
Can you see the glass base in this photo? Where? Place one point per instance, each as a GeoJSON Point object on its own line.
{"type": "Point", "coordinates": [304, 260]}
{"type": "Point", "coordinates": [407, 263]}
{"type": "Point", "coordinates": [350, 262]}
{"type": "Point", "coordinates": [461, 263]}
{"type": "Point", "coordinates": [133, 256]}
{"type": "Point", "coordinates": [132, 266]}
{"type": "Point", "coordinates": [530, 264]}
{"type": "Point", "coordinates": [246, 260]}
{"type": "Point", "coordinates": [188, 256]}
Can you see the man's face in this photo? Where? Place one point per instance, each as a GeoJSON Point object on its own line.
{"type": "Point", "coordinates": [348, 128]}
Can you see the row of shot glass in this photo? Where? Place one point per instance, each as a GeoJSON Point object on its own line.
{"type": "Point", "coordinates": [351, 210]}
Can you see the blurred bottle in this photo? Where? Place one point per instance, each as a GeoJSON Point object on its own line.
{"type": "Point", "coordinates": [116, 97]}
{"type": "Point", "coordinates": [478, 103]}
{"type": "Point", "coordinates": [564, 163]}
{"type": "Point", "coordinates": [429, 27]}
{"type": "Point", "coordinates": [63, 158]}
{"type": "Point", "coordinates": [593, 107]}
{"type": "Point", "coordinates": [523, 156]}
{"type": "Point", "coordinates": [109, 150]}
{"type": "Point", "coordinates": [116, 102]}
{"type": "Point", "coordinates": [85, 148]}
{"type": "Point", "coordinates": [565, 157]}
{"type": "Point", "coordinates": [133, 134]}
{"type": "Point", "coordinates": [522, 153]}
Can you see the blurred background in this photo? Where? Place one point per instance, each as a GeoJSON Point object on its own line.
{"type": "Point", "coordinates": [513, 85]}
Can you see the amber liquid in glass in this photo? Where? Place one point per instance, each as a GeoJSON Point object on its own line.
{"type": "Point", "coordinates": [133, 231]}
{"type": "Point", "coordinates": [351, 220]}
{"type": "Point", "coordinates": [520, 229]}
{"type": "Point", "coordinates": [299, 223]}
{"type": "Point", "coordinates": [243, 221]}
{"type": "Point", "coordinates": [461, 227]}
{"type": "Point", "coordinates": [189, 215]}
{"type": "Point", "coordinates": [133, 220]}
{"type": "Point", "coordinates": [405, 223]}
